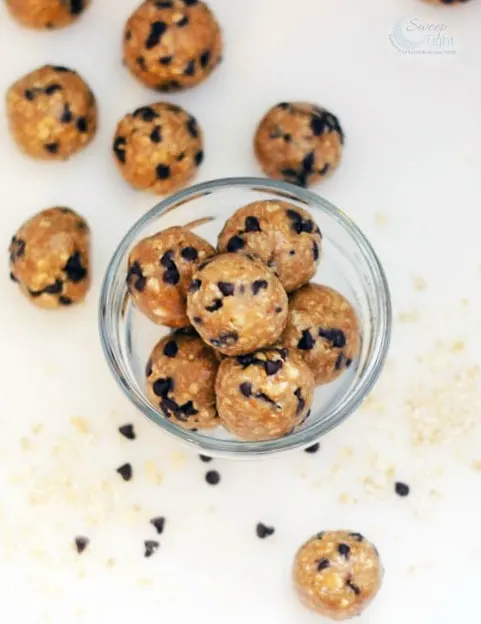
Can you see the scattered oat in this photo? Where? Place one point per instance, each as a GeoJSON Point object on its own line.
{"type": "Point", "coordinates": [410, 316]}
{"type": "Point", "coordinates": [476, 465]}
{"type": "Point", "coordinates": [380, 218]}
{"type": "Point", "coordinates": [81, 424]}
{"type": "Point", "coordinates": [110, 562]}
{"type": "Point", "coordinates": [419, 283]}
{"type": "Point", "coordinates": [152, 472]}
{"type": "Point", "coordinates": [37, 428]}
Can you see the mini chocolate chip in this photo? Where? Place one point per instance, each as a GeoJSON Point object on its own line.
{"type": "Point", "coordinates": [212, 477]}
{"type": "Point", "coordinates": [344, 550]}
{"type": "Point", "coordinates": [278, 309]}
{"type": "Point", "coordinates": [340, 361]}
{"type": "Point", "coordinates": [204, 59]}
{"type": "Point", "coordinates": [180, 157]}
{"type": "Point", "coordinates": [335, 336]}
{"type": "Point", "coordinates": [226, 339]}
{"type": "Point", "coordinates": [163, 386]}
{"type": "Point", "coordinates": [140, 60]}
{"type": "Point", "coordinates": [315, 251]}
{"type": "Point", "coordinates": [76, 6]}
{"type": "Point", "coordinates": [189, 68]}
{"type": "Point", "coordinates": [183, 22]}
{"type": "Point", "coordinates": [171, 276]}
{"type": "Point", "coordinates": [272, 367]}
{"type": "Point", "coordinates": [66, 116]}
{"type": "Point", "coordinates": [66, 301]}
{"type": "Point", "coordinates": [119, 148]}
{"type": "Point", "coordinates": [226, 288]}
{"type": "Point", "coordinates": [308, 163]}
{"type": "Point", "coordinates": [164, 4]}
{"type": "Point", "coordinates": [168, 86]}
{"type": "Point", "coordinates": [357, 536]}
{"type": "Point", "coordinates": [235, 243]}
{"type": "Point", "coordinates": [301, 404]}
{"type": "Point", "coordinates": [166, 260]}
{"type": "Point", "coordinates": [322, 564]}
{"type": "Point", "coordinates": [61, 69]}
{"type": "Point", "coordinates": [169, 405]}
{"type": "Point", "coordinates": [252, 224]}
{"type": "Point", "coordinates": [324, 170]}
{"type": "Point", "coordinates": [307, 342]}
{"type": "Point", "coordinates": [246, 389]}
{"type": "Point", "coordinates": [293, 215]}
{"type": "Point", "coordinates": [258, 285]}
{"type": "Point", "coordinates": [216, 305]}
{"type": "Point", "coordinates": [195, 285]}
{"type": "Point", "coordinates": [192, 127]}
{"type": "Point", "coordinates": [262, 396]}
{"type": "Point", "coordinates": [308, 226]}
{"type": "Point", "coordinates": [287, 137]}
{"type": "Point", "coordinates": [247, 360]}
{"type": "Point", "coordinates": [74, 269]}
{"type": "Point", "coordinates": [125, 471]}
{"type": "Point", "coordinates": [318, 125]}
{"type": "Point", "coordinates": [128, 35]}
{"type": "Point", "coordinates": [81, 543]}
{"type": "Point", "coordinates": [127, 431]}
{"type": "Point", "coordinates": [150, 547]}
{"type": "Point", "coordinates": [158, 524]}
{"type": "Point", "coordinates": [29, 94]}
{"type": "Point", "coordinates": [348, 362]}
{"type": "Point", "coordinates": [188, 409]}
{"type": "Point", "coordinates": [312, 449]}
{"type": "Point", "coordinates": [162, 172]}
{"type": "Point", "coordinates": [51, 89]}
{"type": "Point", "coordinates": [170, 349]}
{"type": "Point", "coordinates": [82, 125]}
{"type": "Point", "coordinates": [320, 535]}
{"type": "Point", "coordinates": [54, 289]}
{"type": "Point", "coordinates": [12, 277]}
{"type": "Point", "coordinates": [186, 331]}
{"type": "Point", "coordinates": [264, 531]}
{"type": "Point", "coordinates": [205, 458]}
{"type": "Point", "coordinates": [190, 254]}
{"type": "Point", "coordinates": [155, 135]}
{"type": "Point", "coordinates": [355, 588]}
{"type": "Point", "coordinates": [157, 29]}
{"type": "Point", "coordinates": [401, 489]}
{"type": "Point", "coordinates": [135, 270]}
{"type": "Point", "coordinates": [283, 105]}
{"type": "Point", "coordinates": [197, 320]}
{"type": "Point", "coordinates": [199, 157]}
{"type": "Point", "coordinates": [165, 60]}
{"type": "Point", "coordinates": [52, 148]}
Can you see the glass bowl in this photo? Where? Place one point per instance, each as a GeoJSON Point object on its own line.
{"type": "Point", "coordinates": [349, 264]}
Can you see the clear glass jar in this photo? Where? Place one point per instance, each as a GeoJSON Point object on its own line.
{"type": "Point", "coordinates": [349, 264]}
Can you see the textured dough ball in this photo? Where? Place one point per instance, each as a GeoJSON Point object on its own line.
{"type": "Point", "coordinates": [47, 13]}
{"type": "Point", "coordinates": [159, 272]}
{"type": "Point", "coordinates": [265, 394]}
{"type": "Point", "coordinates": [49, 258]}
{"type": "Point", "coordinates": [181, 376]}
{"type": "Point", "coordinates": [282, 235]}
{"type": "Point", "coordinates": [171, 45]}
{"type": "Point", "coordinates": [323, 327]}
{"type": "Point", "coordinates": [337, 574]}
{"type": "Point", "coordinates": [236, 304]}
{"type": "Point", "coordinates": [299, 143]}
{"type": "Point", "coordinates": [158, 147]}
{"type": "Point", "coordinates": [52, 113]}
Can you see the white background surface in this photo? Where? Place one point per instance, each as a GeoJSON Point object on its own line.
{"type": "Point", "coordinates": [411, 179]}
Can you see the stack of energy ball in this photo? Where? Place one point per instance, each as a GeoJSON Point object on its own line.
{"type": "Point", "coordinates": [254, 337]}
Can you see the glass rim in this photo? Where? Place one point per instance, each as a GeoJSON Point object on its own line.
{"type": "Point", "coordinates": [340, 410]}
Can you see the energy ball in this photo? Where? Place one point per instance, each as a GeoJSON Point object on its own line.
{"type": "Point", "coordinates": [265, 394]}
{"type": "Point", "coordinates": [181, 376]}
{"type": "Point", "coordinates": [159, 272]}
{"type": "Point", "coordinates": [158, 147]}
{"type": "Point", "coordinates": [49, 258]}
{"type": "Point", "coordinates": [282, 235]}
{"type": "Point", "coordinates": [48, 14]}
{"type": "Point", "coordinates": [236, 304]}
{"type": "Point", "coordinates": [337, 574]}
{"type": "Point", "coordinates": [323, 327]}
{"type": "Point", "coordinates": [171, 45]}
{"type": "Point", "coordinates": [52, 113]}
{"type": "Point", "coordinates": [299, 143]}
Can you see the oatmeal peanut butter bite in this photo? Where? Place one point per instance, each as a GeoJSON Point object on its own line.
{"type": "Point", "coordinates": [160, 269]}
{"type": "Point", "coordinates": [47, 14]}
{"type": "Point", "coordinates": [337, 574]}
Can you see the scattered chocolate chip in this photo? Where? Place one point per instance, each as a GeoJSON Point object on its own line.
{"type": "Point", "coordinates": [170, 349]}
{"type": "Point", "coordinates": [307, 342]}
{"type": "Point", "coordinates": [119, 148]}
{"type": "Point", "coordinates": [157, 29]}
{"type": "Point", "coordinates": [252, 224]}
{"type": "Point", "coordinates": [162, 172]}
{"type": "Point", "coordinates": [54, 289]}
{"type": "Point", "coordinates": [81, 543]}
{"type": "Point", "coordinates": [135, 271]}
{"type": "Point", "coordinates": [292, 252]}
{"type": "Point", "coordinates": [127, 431]}
{"type": "Point", "coordinates": [150, 547]}
{"type": "Point", "coordinates": [344, 550]}
{"type": "Point", "coordinates": [163, 386]}
{"type": "Point", "coordinates": [226, 339]}
{"type": "Point", "coordinates": [357, 536]}
{"type": "Point", "coordinates": [66, 116]}
{"type": "Point", "coordinates": [205, 458]}
{"type": "Point", "coordinates": [272, 366]}
{"type": "Point", "coordinates": [264, 531]}
{"type": "Point", "coordinates": [195, 285]}
{"type": "Point", "coordinates": [312, 449]}
{"type": "Point", "coordinates": [235, 243]}
{"type": "Point", "coordinates": [323, 564]}
{"type": "Point", "coordinates": [226, 288]}
{"type": "Point", "coordinates": [204, 59]}
{"type": "Point", "coordinates": [335, 336]}
{"type": "Point", "coordinates": [246, 389]}
{"type": "Point", "coordinates": [183, 22]}
{"type": "Point", "coordinates": [212, 477]}
{"type": "Point", "coordinates": [51, 89]}
{"type": "Point", "coordinates": [199, 157]}
{"type": "Point", "coordinates": [315, 251]}
{"type": "Point", "coordinates": [155, 135]}
{"type": "Point", "coordinates": [340, 361]}
{"type": "Point", "coordinates": [74, 269]}
{"type": "Point", "coordinates": [190, 254]}
{"type": "Point", "coordinates": [355, 588]}
{"type": "Point", "coordinates": [159, 524]}
{"type": "Point", "coordinates": [192, 127]}
{"type": "Point", "coordinates": [216, 305]}
{"type": "Point", "coordinates": [66, 301]}
{"type": "Point", "coordinates": [258, 285]}
{"type": "Point", "coordinates": [52, 148]}
{"type": "Point", "coordinates": [401, 489]}
{"type": "Point", "coordinates": [125, 471]}
{"type": "Point", "coordinates": [165, 60]}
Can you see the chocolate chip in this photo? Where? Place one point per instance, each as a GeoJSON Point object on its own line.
{"type": "Point", "coordinates": [318, 125]}
{"type": "Point", "coordinates": [348, 362]}
{"type": "Point", "coordinates": [29, 94]}
{"type": "Point", "coordinates": [52, 148]}
{"type": "Point", "coordinates": [205, 458]}
{"type": "Point", "coordinates": [252, 224]}
{"type": "Point", "coordinates": [190, 254]}
{"type": "Point", "coordinates": [293, 215]}
{"type": "Point", "coordinates": [335, 336]}
{"type": "Point", "coordinates": [186, 331]}
{"type": "Point", "coordinates": [166, 260]}
{"type": "Point", "coordinates": [308, 163]}
{"type": "Point", "coordinates": [301, 404]}
{"type": "Point", "coordinates": [128, 35]}
{"type": "Point", "coordinates": [74, 269]}
{"type": "Point", "coordinates": [216, 305]}
{"type": "Point", "coordinates": [135, 271]}
{"type": "Point", "coordinates": [272, 367]}
{"type": "Point", "coordinates": [246, 389]}
{"type": "Point", "coordinates": [157, 29]}
{"type": "Point", "coordinates": [324, 170]}
{"type": "Point", "coordinates": [262, 396]}
{"type": "Point", "coordinates": [118, 148]}
{"type": "Point", "coordinates": [51, 89]}
{"type": "Point", "coordinates": [312, 449]}
{"type": "Point", "coordinates": [340, 361]}
{"type": "Point", "coordinates": [192, 127]}
{"type": "Point", "coordinates": [320, 535]}
{"type": "Point", "coordinates": [171, 276]}
{"type": "Point", "coordinates": [66, 301]}
{"type": "Point", "coordinates": [401, 489]}
{"type": "Point", "coordinates": [235, 243]}
{"type": "Point", "coordinates": [287, 138]}
{"type": "Point", "coordinates": [140, 60]}
{"type": "Point", "coordinates": [322, 564]}
{"type": "Point", "coordinates": [12, 277]}
{"type": "Point", "coordinates": [170, 349]}
{"type": "Point", "coordinates": [226, 339]}
{"type": "Point", "coordinates": [204, 59]}
{"type": "Point", "coordinates": [180, 157]}
{"type": "Point", "coordinates": [183, 22]}
{"type": "Point", "coordinates": [212, 477]}
{"type": "Point", "coordinates": [264, 531]}
{"type": "Point", "coordinates": [168, 86]}
{"type": "Point", "coordinates": [283, 105]}
{"type": "Point", "coordinates": [344, 550]}
{"type": "Point", "coordinates": [162, 172]}
{"type": "Point", "coordinates": [189, 69]}
{"type": "Point", "coordinates": [127, 431]}
{"type": "Point", "coordinates": [197, 320]}
{"type": "Point", "coordinates": [76, 7]}
{"type": "Point", "coordinates": [150, 547]}
{"type": "Point", "coordinates": [278, 309]}
{"type": "Point", "coordinates": [258, 285]}
{"type": "Point", "coordinates": [307, 342]}
{"type": "Point", "coordinates": [158, 524]}
{"type": "Point", "coordinates": [66, 116]}
{"type": "Point", "coordinates": [61, 69]}
{"type": "Point", "coordinates": [54, 289]}
{"type": "Point", "coordinates": [357, 536]}
{"type": "Point", "coordinates": [315, 251]}
{"type": "Point", "coordinates": [188, 409]}
{"type": "Point", "coordinates": [165, 60]}
{"type": "Point", "coordinates": [226, 288]}
{"type": "Point", "coordinates": [195, 285]}
{"type": "Point", "coordinates": [168, 405]}
{"type": "Point", "coordinates": [81, 543]}
{"type": "Point", "coordinates": [308, 226]}
{"type": "Point", "coordinates": [248, 360]}
{"type": "Point", "coordinates": [125, 471]}
{"type": "Point", "coordinates": [199, 157]}
{"type": "Point", "coordinates": [355, 588]}
{"type": "Point", "coordinates": [82, 125]}
{"type": "Point", "coordinates": [164, 4]}
{"type": "Point", "coordinates": [162, 387]}
{"type": "Point", "coordinates": [155, 135]}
